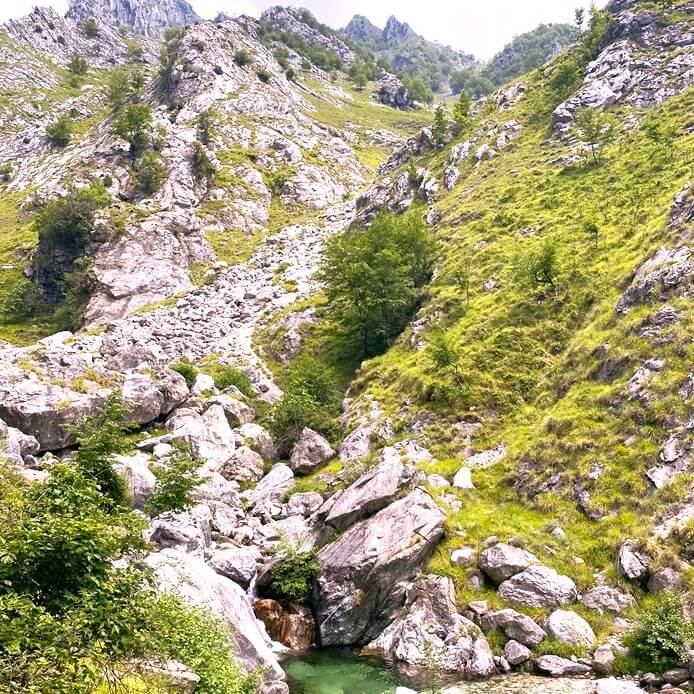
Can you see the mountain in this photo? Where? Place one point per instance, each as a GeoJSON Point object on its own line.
{"type": "Point", "coordinates": [145, 17]}
{"type": "Point", "coordinates": [283, 367]}
{"type": "Point", "coordinates": [407, 53]}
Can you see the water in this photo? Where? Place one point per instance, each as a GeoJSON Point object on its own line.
{"type": "Point", "coordinates": [340, 671]}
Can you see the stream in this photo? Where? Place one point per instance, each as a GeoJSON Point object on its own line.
{"type": "Point", "coordinates": [341, 671]}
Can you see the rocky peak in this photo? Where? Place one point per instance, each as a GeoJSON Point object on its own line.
{"type": "Point", "coordinates": [145, 17]}
{"type": "Point", "coordinates": [360, 28]}
{"type": "Point", "coordinates": [396, 31]}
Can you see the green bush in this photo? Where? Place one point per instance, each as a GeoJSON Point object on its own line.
{"type": "Point", "coordinates": [176, 479]}
{"type": "Point", "coordinates": [100, 437]}
{"type": "Point", "coordinates": [206, 124]}
{"type": "Point", "coordinates": [225, 375]}
{"type": "Point", "coordinates": [90, 28]}
{"type": "Point", "coordinates": [124, 87]}
{"type": "Point", "coordinates": [292, 577]}
{"type": "Point", "coordinates": [133, 124]}
{"type": "Point", "coordinates": [77, 65]}
{"type": "Point", "coordinates": [658, 641]}
{"type": "Point", "coordinates": [22, 301]}
{"type": "Point", "coordinates": [150, 173]}
{"type": "Point", "coordinates": [243, 57]}
{"type": "Point", "coordinates": [187, 370]}
{"type": "Point", "coordinates": [202, 166]}
{"type": "Point", "coordinates": [290, 414]}
{"type": "Point", "coordinates": [263, 75]}
{"type": "Point", "coordinates": [60, 132]}
{"type": "Point", "coordinates": [309, 375]}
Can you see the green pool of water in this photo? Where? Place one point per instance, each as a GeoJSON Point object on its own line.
{"type": "Point", "coordinates": [340, 671]}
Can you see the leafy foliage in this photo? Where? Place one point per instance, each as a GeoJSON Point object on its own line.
{"type": "Point", "coordinates": [150, 172]}
{"type": "Point", "coordinates": [60, 131]}
{"type": "Point", "coordinates": [243, 57]}
{"type": "Point", "coordinates": [176, 479]}
{"type": "Point", "coordinates": [90, 28]}
{"type": "Point", "coordinates": [292, 577]}
{"type": "Point", "coordinates": [203, 168]}
{"type": "Point", "coordinates": [77, 65]}
{"type": "Point", "coordinates": [658, 641]}
{"type": "Point", "coordinates": [124, 87]}
{"type": "Point", "coordinates": [187, 370]}
{"type": "Point", "coordinates": [596, 129]}
{"type": "Point", "coordinates": [133, 124]}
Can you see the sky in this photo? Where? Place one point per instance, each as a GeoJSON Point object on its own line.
{"type": "Point", "coordinates": [481, 27]}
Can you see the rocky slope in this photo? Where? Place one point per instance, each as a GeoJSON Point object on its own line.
{"type": "Point", "coordinates": [509, 509]}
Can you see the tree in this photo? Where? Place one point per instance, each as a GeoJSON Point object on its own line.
{"type": "Point", "coordinates": [203, 168]}
{"type": "Point", "coordinates": [133, 124]}
{"type": "Point", "coordinates": [124, 87]}
{"type": "Point", "coordinates": [440, 126]}
{"type": "Point", "coordinates": [445, 355]}
{"type": "Point", "coordinates": [591, 229]}
{"type": "Point", "coordinates": [371, 277]}
{"type": "Point", "coordinates": [77, 65]}
{"type": "Point", "coordinates": [90, 28]}
{"type": "Point", "coordinates": [595, 129]}
{"type": "Point", "coordinates": [579, 18]}
{"type": "Point", "coordinates": [150, 173]}
{"type": "Point", "coordinates": [176, 479]}
{"type": "Point", "coordinates": [206, 124]}
{"type": "Point", "coordinates": [60, 132]}
{"type": "Point", "coordinates": [419, 90]}
{"type": "Point", "coordinates": [540, 265]}
{"type": "Point", "coordinates": [461, 109]}
{"type": "Point", "coordinates": [565, 78]}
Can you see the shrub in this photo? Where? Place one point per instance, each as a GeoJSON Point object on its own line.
{"type": "Point", "coordinates": [290, 74]}
{"type": "Point", "coordinates": [187, 370]}
{"type": "Point", "coordinates": [282, 57]}
{"type": "Point", "coordinates": [22, 301]}
{"type": "Point", "coordinates": [100, 437]}
{"type": "Point", "coordinates": [289, 415]}
{"type": "Point", "coordinates": [292, 577]}
{"type": "Point", "coordinates": [150, 173]}
{"type": "Point", "coordinates": [206, 124]}
{"type": "Point", "coordinates": [133, 124]}
{"type": "Point", "coordinates": [440, 126]}
{"type": "Point", "coordinates": [539, 266]}
{"type": "Point", "coordinates": [243, 57]}
{"type": "Point", "coordinates": [176, 479]}
{"type": "Point", "coordinates": [77, 65]}
{"type": "Point", "coordinates": [124, 87]}
{"type": "Point", "coordinates": [202, 166]}
{"type": "Point", "coordinates": [595, 129]}
{"type": "Point", "coordinates": [167, 60]}
{"type": "Point", "coordinates": [658, 641]}
{"type": "Point", "coordinates": [309, 375]}
{"type": "Point", "coordinates": [60, 132]}
{"type": "Point", "coordinates": [90, 28]}
{"type": "Point", "coordinates": [263, 75]}
{"type": "Point", "coordinates": [225, 376]}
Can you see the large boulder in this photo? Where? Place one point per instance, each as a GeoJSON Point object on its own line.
{"type": "Point", "coordinates": [360, 584]}
{"type": "Point", "coordinates": [15, 445]}
{"type": "Point", "coordinates": [258, 438]}
{"type": "Point", "coordinates": [188, 531]}
{"type": "Point", "coordinates": [515, 625]}
{"type": "Point", "coordinates": [516, 653]}
{"type": "Point", "coordinates": [199, 584]}
{"type": "Point", "coordinates": [607, 599]}
{"type": "Point", "coordinates": [310, 452]}
{"type": "Point", "coordinates": [272, 488]}
{"type": "Point", "coordinates": [237, 412]}
{"type": "Point", "coordinates": [570, 628]}
{"type": "Point", "coordinates": [539, 586]}
{"type": "Point", "coordinates": [429, 633]}
{"type": "Point", "coordinates": [244, 465]}
{"type": "Point", "coordinates": [371, 492]}
{"type": "Point", "coordinates": [142, 397]}
{"type": "Point", "coordinates": [502, 561]}
{"type": "Point", "coordinates": [240, 564]}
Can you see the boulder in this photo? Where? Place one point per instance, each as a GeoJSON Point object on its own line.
{"type": "Point", "coordinates": [173, 389]}
{"type": "Point", "coordinates": [297, 629]}
{"type": "Point", "coordinates": [631, 563]}
{"type": "Point", "coordinates": [676, 676]}
{"type": "Point", "coordinates": [187, 531]}
{"type": "Point", "coordinates": [503, 561]}
{"type": "Point", "coordinates": [240, 564]}
{"type": "Point", "coordinates": [237, 412]}
{"type": "Point", "coordinates": [304, 503]}
{"type": "Point", "coordinates": [516, 653]}
{"type": "Point", "coordinates": [199, 584]}
{"type": "Point", "coordinates": [607, 599]}
{"type": "Point", "coordinates": [203, 384]}
{"type": "Point", "coordinates": [429, 633]}
{"type": "Point", "coordinates": [570, 628]}
{"type": "Point", "coordinates": [539, 586]}
{"type": "Point", "coordinates": [272, 487]}
{"type": "Point", "coordinates": [357, 444]}
{"type": "Point", "coordinates": [270, 613]}
{"type": "Point", "coordinates": [463, 479]}
{"type": "Point", "coordinates": [142, 397]}
{"type": "Point", "coordinates": [555, 666]}
{"type": "Point", "coordinates": [244, 465]}
{"type": "Point", "coordinates": [256, 437]}
{"type": "Point", "coordinates": [665, 579]}
{"type": "Point", "coordinates": [360, 585]}
{"type": "Point", "coordinates": [310, 452]}
{"type": "Point", "coordinates": [603, 660]}
{"type": "Point", "coordinates": [15, 445]}
{"type": "Point", "coordinates": [463, 557]}
{"type": "Point", "coordinates": [515, 625]}
{"type": "Point", "coordinates": [371, 492]}
{"type": "Point", "coordinates": [139, 479]}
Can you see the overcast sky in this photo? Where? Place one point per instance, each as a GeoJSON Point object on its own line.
{"type": "Point", "coordinates": [481, 27]}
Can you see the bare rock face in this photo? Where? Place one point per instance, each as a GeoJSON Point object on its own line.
{"type": "Point", "coordinates": [392, 92]}
{"type": "Point", "coordinates": [430, 633]}
{"type": "Point", "coordinates": [146, 17]}
{"type": "Point", "coordinates": [240, 564]}
{"type": "Point", "coordinates": [359, 588]}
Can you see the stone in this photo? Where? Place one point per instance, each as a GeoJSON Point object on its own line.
{"type": "Point", "coordinates": [487, 458]}
{"type": "Point", "coordinates": [187, 531]}
{"type": "Point", "coordinates": [141, 397]}
{"type": "Point", "coordinates": [503, 561]}
{"type": "Point", "coordinates": [607, 599]}
{"type": "Point", "coordinates": [244, 464]}
{"type": "Point", "coordinates": [675, 676]}
{"type": "Point", "coordinates": [430, 634]}
{"type": "Point", "coordinates": [272, 487]}
{"type": "Point", "coordinates": [371, 492]}
{"type": "Point", "coordinates": [665, 579]}
{"type": "Point", "coordinates": [463, 479]}
{"type": "Point", "coordinates": [515, 625]}
{"type": "Point", "coordinates": [139, 479]}
{"type": "Point", "coordinates": [539, 586]}
{"type": "Point", "coordinates": [237, 412]}
{"type": "Point", "coordinates": [631, 563]}
{"type": "Point", "coordinates": [555, 666]}
{"type": "Point", "coordinates": [603, 660]}
{"type": "Point", "coordinates": [356, 444]}
{"type": "Point", "coordinates": [270, 613]}
{"type": "Point", "coordinates": [304, 503]}
{"type": "Point", "coordinates": [463, 557]}
{"type": "Point", "coordinates": [177, 676]}
{"type": "Point", "coordinates": [15, 445]}
{"type": "Point", "coordinates": [570, 628]}
{"type": "Point", "coordinates": [360, 586]}
{"type": "Point", "coordinates": [310, 452]}
{"type": "Point", "coordinates": [615, 686]}
{"type": "Point", "coordinates": [203, 384]}
{"type": "Point", "coordinates": [240, 564]}
{"type": "Point", "coordinates": [516, 653]}
{"type": "Point", "coordinates": [198, 584]}
{"type": "Point", "coordinates": [256, 437]}
{"type": "Point", "coordinates": [297, 629]}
